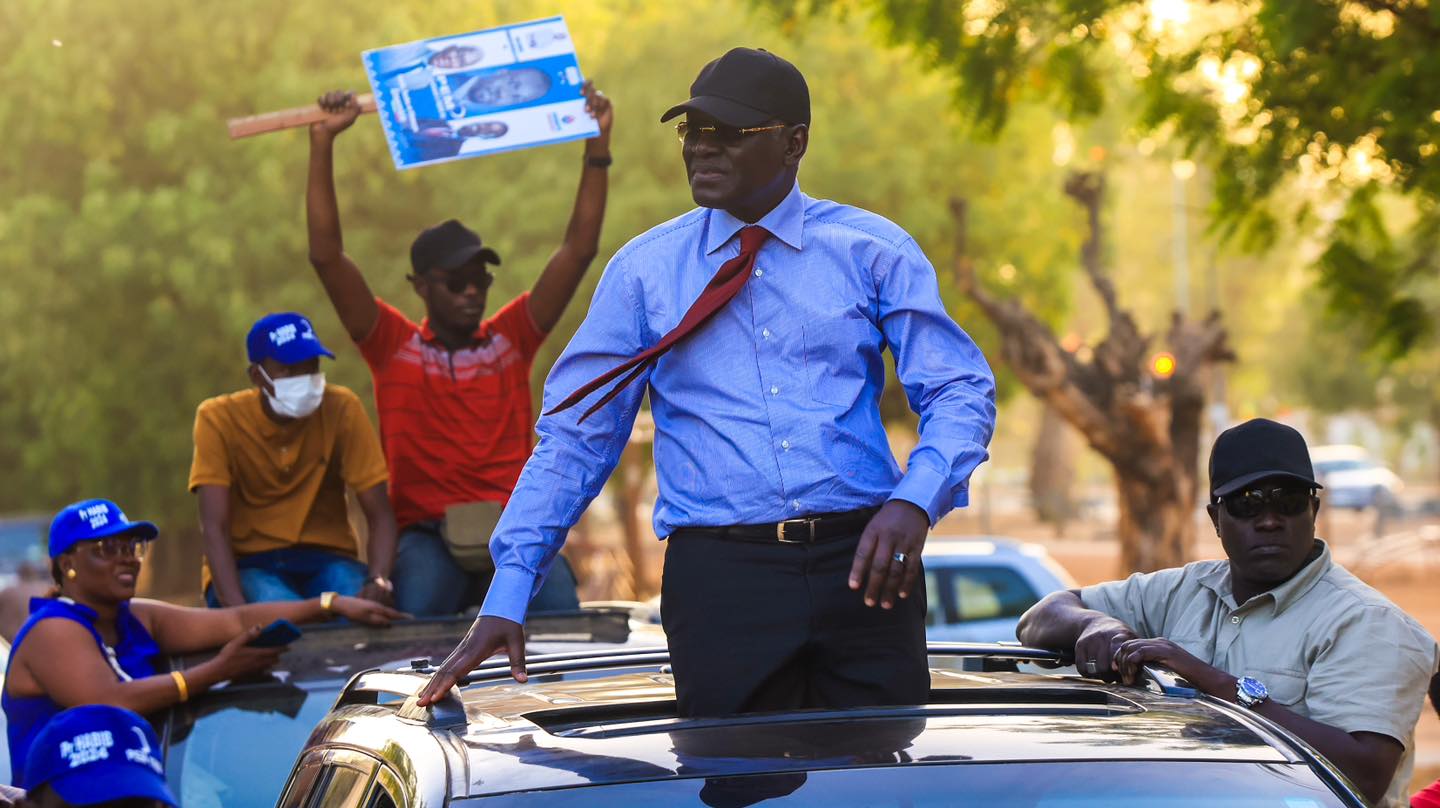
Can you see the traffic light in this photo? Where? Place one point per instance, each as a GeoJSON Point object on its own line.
{"type": "Point", "coordinates": [1162, 365]}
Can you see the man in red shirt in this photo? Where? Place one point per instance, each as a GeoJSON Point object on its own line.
{"type": "Point", "coordinates": [453, 391]}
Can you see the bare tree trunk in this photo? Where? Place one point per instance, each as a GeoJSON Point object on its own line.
{"type": "Point", "coordinates": [1148, 429]}
{"type": "Point", "coordinates": [1052, 472]}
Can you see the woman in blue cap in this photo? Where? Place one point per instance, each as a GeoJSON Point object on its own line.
{"type": "Point", "coordinates": [110, 643]}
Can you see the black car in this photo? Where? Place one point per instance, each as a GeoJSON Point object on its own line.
{"type": "Point", "coordinates": [601, 729]}
{"type": "Point", "coordinates": [235, 745]}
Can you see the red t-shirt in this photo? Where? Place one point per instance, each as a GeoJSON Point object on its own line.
{"type": "Point", "coordinates": [455, 427]}
{"type": "Point", "coordinates": [1428, 797]}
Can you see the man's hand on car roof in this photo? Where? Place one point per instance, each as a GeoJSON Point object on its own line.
{"type": "Point", "coordinates": [487, 636]}
{"type": "Point", "coordinates": [1097, 646]}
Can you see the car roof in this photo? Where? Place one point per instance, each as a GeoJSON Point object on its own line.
{"type": "Point", "coordinates": [612, 719]}
{"type": "Point", "coordinates": [980, 546]}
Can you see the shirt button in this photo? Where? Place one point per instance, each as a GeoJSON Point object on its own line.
{"type": "Point", "coordinates": [765, 333]}
{"type": "Point", "coordinates": [774, 391]}
{"type": "Point", "coordinates": [1235, 618]}
{"type": "Point", "coordinates": [785, 444]}
{"type": "Point", "coordinates": [759, 272]}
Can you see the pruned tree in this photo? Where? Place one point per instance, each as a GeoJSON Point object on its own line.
{"type": "Point", "coordinates": [1148, 430]}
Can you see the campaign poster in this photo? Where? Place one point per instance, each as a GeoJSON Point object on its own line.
{"type": "Point", "coordinates": [480, 93]}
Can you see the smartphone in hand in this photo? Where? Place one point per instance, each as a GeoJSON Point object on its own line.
{"type": "Point", "coordinates": [279, 633]}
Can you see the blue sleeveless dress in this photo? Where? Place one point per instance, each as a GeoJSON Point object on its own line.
{"type": "Point", "coordinates": [133, 657]}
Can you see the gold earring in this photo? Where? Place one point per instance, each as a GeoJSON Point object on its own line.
{"type": "Point", "coordinates": [69, 573]}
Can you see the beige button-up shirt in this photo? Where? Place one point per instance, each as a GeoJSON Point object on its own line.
{"type": "Point", "coordinates": [1324, 643]}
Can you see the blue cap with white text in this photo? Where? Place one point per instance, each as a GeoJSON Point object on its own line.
{"type": "Point", "coordinates": [91, 519]}
{"type": "Point", "coordinates": [287, 337]}
{"type": "Point", "coordinates": [98, 753]}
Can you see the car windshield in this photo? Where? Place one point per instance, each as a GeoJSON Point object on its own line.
{"type": "Point", "coordinates": [234, 747]}
{"type": "Point", "coordinates": [1073, 784]}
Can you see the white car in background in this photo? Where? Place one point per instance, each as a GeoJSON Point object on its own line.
{"type": "Point", "coordinates": [977, 587]}
{"type": "Point", "coordinates": [1354, 479]}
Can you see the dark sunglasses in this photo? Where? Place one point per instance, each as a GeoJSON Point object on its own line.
{"type": "Point", "coordinates": [457, 280]}
{"type": "Point", "coordinates": [726, 135]}
{"type": "Point", "coordinates": [1249, 503]}
{"type": "Point", "coordinates": [113, 547]}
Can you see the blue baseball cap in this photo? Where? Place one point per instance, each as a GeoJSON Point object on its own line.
{"type": "Point", "coordinates": [287, 337]}
{"type": "Point", "coordinates": [98, 753]}
{"type": "Point", "coordinates": [92, 519]}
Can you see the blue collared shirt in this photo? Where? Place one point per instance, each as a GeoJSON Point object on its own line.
{"type": "Point", "coordinates": [771, 410]}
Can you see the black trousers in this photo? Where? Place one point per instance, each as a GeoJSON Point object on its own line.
{"type": "Point", "coordinates": [757, 626]}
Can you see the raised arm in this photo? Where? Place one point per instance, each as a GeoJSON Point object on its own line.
{"type": "Point", "coordinates": [343, 282]}
{"type": "Point", "coordinates": [214, 503]}
{"type": "Point", "coordinates": [557, 284]}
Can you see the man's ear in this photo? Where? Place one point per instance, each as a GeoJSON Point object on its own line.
{"type": "Point", "coordinates": [258, 379]}
{"type": "Point", "coordinates": [1214, 510]}
{"type": "Point", "coordinates": [796, 144]}
{"type": "Point", "coordinates": [417, 282]}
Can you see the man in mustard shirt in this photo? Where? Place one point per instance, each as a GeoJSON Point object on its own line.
{"type": "Point", "coordinates": [271, 467]}
{"type": "Point", "coordinates": [1278, 628]}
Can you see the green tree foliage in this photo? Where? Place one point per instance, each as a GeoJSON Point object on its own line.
{"type": "Point", "coordinates": [1309, 111]}
{"type": "Point", "coordinates": [137, 243]}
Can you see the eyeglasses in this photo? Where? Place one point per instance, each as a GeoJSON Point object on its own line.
{"type": "Point", "coordinates": [1249, 503]}
{"type": "Point", "coordinates": [113, 547]}
{"type": "Point", "coordinates": [457, 280]}
{"type": "Point", "coordinates": [727, 135]}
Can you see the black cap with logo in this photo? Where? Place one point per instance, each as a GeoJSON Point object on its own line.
{"type": "Point", "coordinates": [1255, 450]}
{"type": "Point", "coordinates": [446, 246]}
{"type": "Point", "coordinates": [748, 87]}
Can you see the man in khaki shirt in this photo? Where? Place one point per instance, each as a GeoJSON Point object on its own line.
{"type": "Point", "coordinates": [1279, 627]}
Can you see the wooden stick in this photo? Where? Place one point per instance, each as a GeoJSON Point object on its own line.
{"type": "Point", "coordinates": [287, 118]}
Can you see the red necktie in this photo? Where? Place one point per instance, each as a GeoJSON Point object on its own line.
{"type": "Point", "coordinates": [719, 291]}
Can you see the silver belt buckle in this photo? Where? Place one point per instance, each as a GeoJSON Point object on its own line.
{"type": "Point", "coordinates": [780, 530]}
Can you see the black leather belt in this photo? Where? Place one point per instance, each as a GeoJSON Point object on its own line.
{"type": "Point", "coordinates": [805, 530]}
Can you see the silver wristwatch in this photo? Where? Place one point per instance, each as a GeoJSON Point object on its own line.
{"type": "Point", "coordinates": [1250, 692]}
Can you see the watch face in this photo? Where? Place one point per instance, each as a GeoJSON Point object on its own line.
{"type": "Point", "coordinates": [1253, 688]}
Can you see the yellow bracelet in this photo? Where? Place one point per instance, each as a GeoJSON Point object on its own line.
{"type": "Point", "coordinates": [180, 685]}
{"type": "Point", "coordinates": [327, 601]}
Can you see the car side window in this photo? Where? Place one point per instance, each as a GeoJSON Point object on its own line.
{"type": "Point", "coordinates": [380, 798]}
{"type": "Point", "coordinates": [989, 593]}
{"type": "Point", "coordinates": [301, 788]}
{"type": "Point", "coordinates": [344, 787]}
{"type": "Point", "coordinates": [934, 608]}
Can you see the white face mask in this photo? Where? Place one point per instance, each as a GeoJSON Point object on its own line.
{"type": "Point", "coordinates": [295, 396]}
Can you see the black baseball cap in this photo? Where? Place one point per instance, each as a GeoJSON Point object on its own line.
{"type": "Point", "coordinates": [448, 245]}
{"type": "Point", "coordinates": [1255, 450]}
{"type": "Point", "coordinates": [747, 87]}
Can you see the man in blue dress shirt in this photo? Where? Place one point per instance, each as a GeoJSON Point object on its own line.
{"type": "Point", "coordinates": [792, 570]}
